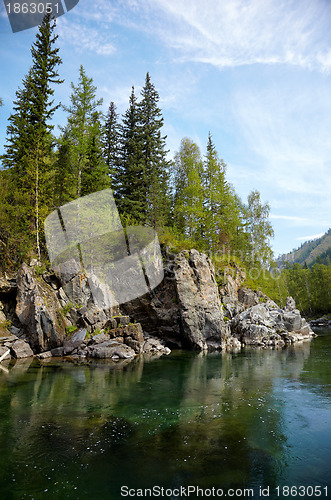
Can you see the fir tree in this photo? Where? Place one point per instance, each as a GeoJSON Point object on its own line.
{"type": "Point", "coordinates": [130, 188]}
{"type": "Point", "coordinates": [95, 174]}
{"type": "Point", "coordinates": [111, 143]}
{"type": "Point", "coordinates": [29, 142]}
{"type": "Point", "coordinates": [153, 156]}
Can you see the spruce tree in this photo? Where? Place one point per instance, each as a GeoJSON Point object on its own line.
{"type": "Point", "coordinates": [111, 143]}
{"type": "Point", "coordinates": [130, 190]}
{"type": "Point", "coordinates": [95, 174]}
{"type": "Point", "coordinates": [153, 156]}
{"type": "Point", "coordinates": [29, 142]}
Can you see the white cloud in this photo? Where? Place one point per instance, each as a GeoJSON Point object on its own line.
{"type": "Point", "coordinates": [236, 32]}
{"type": "Point", "coordinates": [313, 237]}
{"type": "Point", "coordinates": [225, 33]}
{"type": "Point", "coordinates": [292, 218]}
{"type": "Point", "coordinates": [84, 38]}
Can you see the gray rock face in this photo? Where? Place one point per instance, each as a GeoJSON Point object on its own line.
{"type": "Point", "coordinates": [37, 309]}
{"type": "Point", "coordinates": [200, 308]}
{"type": "Point", "coordinates": [185, 310]}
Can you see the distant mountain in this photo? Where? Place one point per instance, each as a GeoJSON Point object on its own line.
{"type": "Point", "coordinates": [311, 251]}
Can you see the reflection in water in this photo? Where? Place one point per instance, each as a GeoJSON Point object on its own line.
{"type": "Point", "coordinates": [217, 420]}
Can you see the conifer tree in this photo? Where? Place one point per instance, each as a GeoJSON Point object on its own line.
{"type": "Point", "coordinates": [83, 132]}
{"type": "Point", "coordinates": [29, 142]}
{"type": "Point", "coordinates": [110, 143]}
{"type": "Point", "coordinates": [153, 156]}
{"type": "Point", "coordinates": [65, 180]}
{"type": "Point", "coordinates": [129, 180]}
{"type": "Point", "coordinates": [95, 174]}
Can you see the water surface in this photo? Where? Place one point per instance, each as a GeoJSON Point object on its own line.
{"type": "Point", "coordinates": [255, 419]}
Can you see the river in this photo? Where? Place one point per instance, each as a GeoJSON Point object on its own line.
{"type": "Point", "coordinates": [249, 424]}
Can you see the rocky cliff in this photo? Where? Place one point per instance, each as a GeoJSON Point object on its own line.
{"type": "Point", "coordinates": [55, 314]}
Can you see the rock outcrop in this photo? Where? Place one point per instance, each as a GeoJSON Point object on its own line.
{"type": "Point", "coordinates": [38, 309]}
{"type": "Point", "coordinates": [256, 320]}
{"type": "Point", "coordinates": [56, 314]}
{"type": "Point", "coordinates": [185, 310]}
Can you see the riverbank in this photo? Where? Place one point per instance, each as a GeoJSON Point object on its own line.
{"type": "Point", "coordinates": [65, 312]}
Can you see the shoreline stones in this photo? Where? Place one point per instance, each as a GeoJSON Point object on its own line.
{"type": "Point", "coordinates": [56, 316]}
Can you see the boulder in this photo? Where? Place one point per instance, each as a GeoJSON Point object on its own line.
{"type": "Point", "coordinates": [153, 345]}
{"type": "Point", "coordinates": [256, 326]}
{"type": "Point", "coordinates": [74, 341]}
{"type": "Point", "coordinates": [57, 352]}
{"type": "Point", "coordinates": [3, 319]}
{"type": "Point", "coordinates": [21, 349]}
{"type": "Point", "coordinates": [291, 320]}
{"type": "Point", "coordinates": [8, 284]}
{"type": "Point", "coordinates": [100, 337]}
{"type": "Point", "coordinates": [266, 325]}
{"type": "Point", "coordinates": [110, 349]}
{"type": "Point", "coordinates": [4, 353]}
{"type": "Point", "coordinates": [37, 309]}
{"type": "Point", "coordinates": [290, 304]}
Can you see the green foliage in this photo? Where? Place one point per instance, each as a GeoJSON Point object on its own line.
{"type": "Point", "coordinates": [70, 329]}
{"type": "Point", "coordinates": [111, 144]}
{"type": "Point", "coordinates": [221, 212]}
{"type": "Point", "coordinates": [28, 156]}
{"type": "Point", "coordinates": [6, 324]}
{"type": "Point", "coordinates": [260, 229]}
{"type": "Point", "coordinates": [65, 309]}
{"type": "Point", "coordinates": [40, 269]}
{"type": "Point", "coordinates": [141, 175]}
{"type": "Point", "coordinates": [80, 161]}
{"type": "Point", "coordinates": [188, 198]}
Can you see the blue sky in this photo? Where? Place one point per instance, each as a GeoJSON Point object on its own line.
{"type": "Point", "coordinates": [255, 73]}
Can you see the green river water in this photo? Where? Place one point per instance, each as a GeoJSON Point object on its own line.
{"type": "Point", "coordinates": [242, 425]}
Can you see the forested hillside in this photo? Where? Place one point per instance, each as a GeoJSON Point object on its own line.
{"type": "Point", "coordinates": [187, 199]}
{"type": "Point", "coordinates": [318, 250]}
